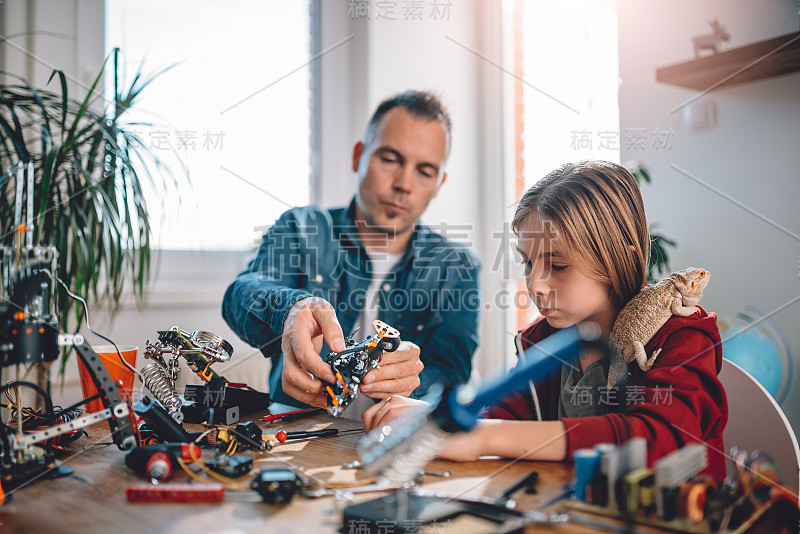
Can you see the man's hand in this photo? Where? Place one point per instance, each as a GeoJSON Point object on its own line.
{"type": "Point", "coordinates": [398, 373]}
{"type": "Point", "coordinates": [308, 322]}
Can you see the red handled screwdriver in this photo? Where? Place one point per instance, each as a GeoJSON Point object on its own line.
{"type": "Point", "coordinates": [306, 434]}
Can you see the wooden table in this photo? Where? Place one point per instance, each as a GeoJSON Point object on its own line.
{"type": "Point", "coordinates": [93, 498]}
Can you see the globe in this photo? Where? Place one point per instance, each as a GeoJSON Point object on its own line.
{"type": "Point", "coordinates": [760, 350]}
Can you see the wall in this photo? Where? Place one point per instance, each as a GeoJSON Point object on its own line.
{"type": "Point", "coordinates": [46, 34]}
{"type": "Point", "coordinates": [751, 156]}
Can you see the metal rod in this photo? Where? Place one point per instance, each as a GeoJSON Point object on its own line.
{"type": "Point", "coordinates": [18, 198]}
{"type": "Point", "coordinates": [29, 218]}
{"type": "Point", "coordinates": [20, 457]}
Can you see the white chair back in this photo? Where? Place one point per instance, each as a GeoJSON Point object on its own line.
{"type": "Point", "coordinates": [755, 421]}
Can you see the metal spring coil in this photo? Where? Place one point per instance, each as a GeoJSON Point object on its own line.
{"type": "Point", "coordinates": [155, 380]}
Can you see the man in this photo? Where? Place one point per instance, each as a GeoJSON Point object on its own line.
{"type": "Point", "coordinates": [319, 273]}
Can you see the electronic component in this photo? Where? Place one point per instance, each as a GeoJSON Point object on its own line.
{"type": "Point", "coordinates": [690, 503]}
{"type": "Point", "coordinates": [277, 485]}
{"type": "Point", "coordinates": [352, 364]}
{"type": "Point", "coordinates": [160, 421]}
{"type": "Point", "coordinates": [231, 466]}
{"type": "Point", "coordinates": [156, 461]}
{"type": "Point", "coordinates": [630, 456]}
{"type": "Point", "coordinates": [692, 497]}
{"type": "Point", "coordinates": [673, 470]}
{"type": "Point", "coordinates": [603, 489]}
{"type": "Point", "coordinates": [615, 463]}
{"type": "Point", "coordinates": [175, 493]}
{"type": "Point", "coordinates": [198, 414]}
{"type": "Point", "coordinates": [227, 395]}
{"type": "Point", "coordinates": [638, 489]}
{"type": "Point", "coordinates": [587, 464]}
{"type": "Point", "coordinates": [248, 435]}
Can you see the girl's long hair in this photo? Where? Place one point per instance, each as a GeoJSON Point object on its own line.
{"type": "Point", "coordinates": [596, 212]}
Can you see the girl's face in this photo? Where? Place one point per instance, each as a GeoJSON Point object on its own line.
{"type": "Point", "coordinates": [562, 293]}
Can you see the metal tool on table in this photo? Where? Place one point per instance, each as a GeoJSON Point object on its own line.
{"type": "Point", "coordinates": [566, 493]}
{"type": "Point", "coordinates": [200, 349]}
{"type": "Point", "coordinates": [283, 435]}
{"type": "Point", "coordinates": [356, 464]}
{"type": "Point", "coordinates": [291, 416]}
{"type": "Point", "coordinates": [527, 482]}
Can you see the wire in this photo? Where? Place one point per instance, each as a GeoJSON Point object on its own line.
{"type": "Point", "coordinates": [212, 474]}
{"type": "Point", "coordinates": [88, 326]}
{"type": "Point", "coordinates": [344, 485]}
{"type": "Point", "coordinates": [38, 419]}
{"type": "Point", "coordinates": [190, 472]}
{"type": "Point", "coordinates": [48, 402]}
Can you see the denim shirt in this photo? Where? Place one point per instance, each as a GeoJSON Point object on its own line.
{"type": "Point", "coordinates": [432, 295]}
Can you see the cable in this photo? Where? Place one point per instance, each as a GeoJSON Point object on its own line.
{"type": "Point", "coordinates": [212, 474]}
{"type": "Point", "coordinates": [88, 326]}
{"type": "Point", "coordinates": [48, 402]}
{"type": "Point", "coordinates": [79, 403]}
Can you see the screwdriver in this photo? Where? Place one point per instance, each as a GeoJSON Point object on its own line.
{"type": "Point", "coordinates": [291, 416]}
{"type": "Point", "coordinates": [306, 434]}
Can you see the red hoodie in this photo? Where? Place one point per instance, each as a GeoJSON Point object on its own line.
{"type": "Point", "coordinates": [678, 401]}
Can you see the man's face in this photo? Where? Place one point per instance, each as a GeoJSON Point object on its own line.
{"type": "Point", "coordinates": [399, 172]}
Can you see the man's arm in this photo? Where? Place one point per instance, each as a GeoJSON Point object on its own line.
{"type": "Point", "coordinates": [269, 308]}
{"type": "Point", "coordinates": [257, 303]}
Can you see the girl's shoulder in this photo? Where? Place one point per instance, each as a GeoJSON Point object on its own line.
{"type": "Point", "coordinates": [692, 340]}
{"type": "Point", "coordinates": [696, 335]}
{"type": "Point", "coordinates": [701, 321]}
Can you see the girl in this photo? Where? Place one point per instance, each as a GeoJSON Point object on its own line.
{"type": "Point", "coordinates": [582, 234]}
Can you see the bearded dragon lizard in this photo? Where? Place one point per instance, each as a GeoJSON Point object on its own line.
{"type": "Point", "coordinates": [647, 312]}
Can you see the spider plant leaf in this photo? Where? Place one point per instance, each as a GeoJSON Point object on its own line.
{"type": "Point", "coordinates": [64, 96]}
{"type": "Point", "coordinates": [90, 172]}
{"type": "Point", "coordinates": [70, 138]}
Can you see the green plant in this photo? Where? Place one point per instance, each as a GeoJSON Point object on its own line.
{"type": "Point", "coordinates": [89, 171]}
{"type": "Point", "coordinates": [658, 260]}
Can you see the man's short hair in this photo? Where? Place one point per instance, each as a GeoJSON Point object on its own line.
{"type": "Point", "coordinates": [421, 104]}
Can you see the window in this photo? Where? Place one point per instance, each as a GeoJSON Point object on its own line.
{"type": "Point", "coordinates": [234, 108]}
{"type": "Point", "coordinates": [566, 92]}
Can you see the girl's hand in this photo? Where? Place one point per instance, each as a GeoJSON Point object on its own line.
{"type": "Point", "coordinates": [462, 447]}
{"type": "Point", "coordinates": [459, 448]}
{"type": "Point", "coordinates": [388, 409]}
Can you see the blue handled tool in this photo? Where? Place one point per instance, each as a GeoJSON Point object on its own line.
{"type": "Point", "coordinates": [414, 439]}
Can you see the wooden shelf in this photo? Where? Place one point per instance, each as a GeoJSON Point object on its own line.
{"type": "Point", "coordinates": [757, 61]}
